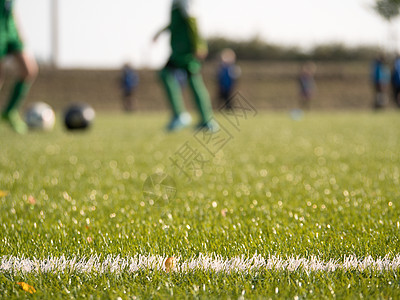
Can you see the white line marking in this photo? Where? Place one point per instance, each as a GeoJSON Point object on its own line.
{"type": "Point", "coordinates": [216, 263]}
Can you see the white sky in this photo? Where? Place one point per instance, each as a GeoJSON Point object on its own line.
{"type": "Point", "coordinates": [105, 34]}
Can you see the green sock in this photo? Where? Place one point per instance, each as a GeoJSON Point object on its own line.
{"type": "Point", "coordinates": [173, 90]}
{"type": "Point", "coordinates": [201, 96]}
{"type": "Point", "coordinates": [17, 96]}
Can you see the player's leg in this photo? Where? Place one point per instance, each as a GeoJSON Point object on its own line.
{"type": "Point", "coordinates": [3, 53]}
{"type": "Point", "coordinates": [203, 102]}
{"type": "Point", "coordinates": [180, 118]}
{"type": "Point", "coordinates": [127, 100]}
{"type": "Point", "coordinates": [228, 98]}
{"type": "Point", "coordinates": [1, 74]}
{"type": "Point", "coordinates": [397, 96]}
{"type": "Point", "coordinates": [201, 96]}
{"type": "Point", "coordinates": [173, 90]}
{"type": "Point", "coordinates": [28, 69]}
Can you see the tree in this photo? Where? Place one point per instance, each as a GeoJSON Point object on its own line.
{"type": "Point", "coordinates": [387, 9]}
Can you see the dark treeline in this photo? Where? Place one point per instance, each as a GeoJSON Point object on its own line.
{"type": "Point", "coordinates": [257, 49]}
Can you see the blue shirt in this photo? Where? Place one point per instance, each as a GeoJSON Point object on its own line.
{"type": "Point", "coordinates": [380, 73]}
{"type": "Point", "coordinates": [226, 76]}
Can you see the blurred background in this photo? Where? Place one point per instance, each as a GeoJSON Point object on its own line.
{"type": "Point", "coordinates": [105, 34]}
{"type": "Point", "coordinates": [81, 46]}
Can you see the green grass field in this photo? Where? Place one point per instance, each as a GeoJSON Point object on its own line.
{"type": "Point", "coordinates": [325, 187]}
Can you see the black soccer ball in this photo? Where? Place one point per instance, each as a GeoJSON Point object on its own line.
{"type": "Point", "coordinates": [79, 116]}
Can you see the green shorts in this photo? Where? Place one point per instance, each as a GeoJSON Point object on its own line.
{"type": "Point", "coordinates": [186, 62]}
{"type": "Point", "coordinates": [10, 41]}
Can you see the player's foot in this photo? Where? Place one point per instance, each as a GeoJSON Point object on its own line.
{"type": "Point", "coordinates": [14, 120]}
{"type": "Point", "coordinates": [211, 126]}
{"type": "Point", "coordinates": [180, 122]}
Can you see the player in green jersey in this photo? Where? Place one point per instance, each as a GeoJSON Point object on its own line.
{"type": "Point", "coordinates": [188, 49]}
{"type": "Point", "coordinates": [11, 44]}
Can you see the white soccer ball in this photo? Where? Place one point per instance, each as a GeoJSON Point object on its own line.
{"type": "Point", "coordinates": [40, 116]}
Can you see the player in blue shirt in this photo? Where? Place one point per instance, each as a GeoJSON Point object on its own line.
{"type": "Point", "coordinates": [129, 82]}
{"type": "Point", "coordinates": [380, 80]}
{"type": "Point", "coordinates": [227, 76]}
{"type": "Point", "coordinates": [396, 80]}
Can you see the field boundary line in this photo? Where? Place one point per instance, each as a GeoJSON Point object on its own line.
{"type": "Point", "coordinates": [216, 263]}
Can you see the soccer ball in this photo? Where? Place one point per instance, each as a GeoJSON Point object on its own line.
{"type": "Point", "coordinates": [79, 116]}
{"type": "Point", "coordinates": [40, 116]}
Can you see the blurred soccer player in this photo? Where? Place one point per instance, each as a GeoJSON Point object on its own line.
{"type": "Point", "coordinates": [396, 80]}
{"type": "Point", "coordinates": [188, 50]}
{"type": "Point", "coordinates": [227, 76]}
{"type": "Point", "coordinates": [11, 44]}
{"type": "Point", "coordinates": [307, 84]}
{"type": "Point", "coordinates": [129, 83]}
{"type": "Point", "coordinates": [380, 80]}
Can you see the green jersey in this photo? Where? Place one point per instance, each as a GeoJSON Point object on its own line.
{"type": "Point", "coordinates": [186, 46]}
{"type": "Point", "coordinates": [9, 37]}
{"type": "Point", "coordinates": [5, 10]}
{"type": "Point", "coordinates": [185, 38]}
